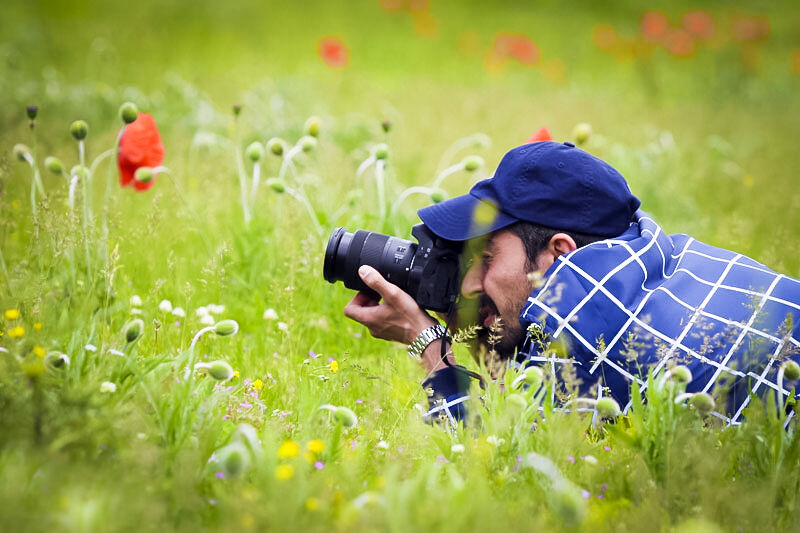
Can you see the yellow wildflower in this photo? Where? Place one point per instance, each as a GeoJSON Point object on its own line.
{"type": "Point", "coordinates": [334, 365]}
{"type": "Point", "coordinates": [316, 446]}
{"type": "Point", "coordinates": [38, 351]}
{"type": "Point", "coordinates": [258, 384]}
{"type": "Point", "coordinates": [16, 332]}
{"type": "Point", "coordinates": [284, 472]}
{"type": "Point", "coordinates": [37, 326]}
{"type": "Point", "coordinates": [235, 373]}
{"type": "Point", "coordinates": [288, 449]}
{"type": "Point", "coordinates": [12, 314]}
{"type": "Point", "coordinates": [312, 504]}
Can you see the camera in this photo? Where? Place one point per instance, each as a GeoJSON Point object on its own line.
{"type": "Point", "coordinates": [428, 270]}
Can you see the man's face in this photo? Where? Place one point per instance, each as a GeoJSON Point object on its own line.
{"type": "Point", "coordinates": [496, 286]}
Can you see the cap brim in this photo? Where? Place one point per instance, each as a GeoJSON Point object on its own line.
{"type": "Point", "coordinates": [464, 217]}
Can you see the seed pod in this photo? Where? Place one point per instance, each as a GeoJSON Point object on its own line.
{"type": "Point", "coordinates": [133, 330]}
{"type": "Point", "coordinates": [22, 152]}
{"type": "Point", "coordinates": [438, 195]}
{"type": "Point", "coordinates": [128, 112]}
{"type": "Point", "coordinates": [307, 143]}
{"type": "Point", "coordinates": [680, 374]}
{"type": "Point", "coordinates": [702, 401]}
{"type": "Point", "coordinates": [81, 172]}
{"type": "Point", "coordinates": [346, 416]}
{"type": "Point", "coordinates": [312, 126]}
{"type": "Point", "coordinates": [54, 165]}
{"type": "Point", "coordinates": [225, 328]}
{"type": "Point", "coordinates": [144, 174]}
{"type": "Point", "coordinates": [386, 126]}
{"type": "Point", "coordinates": [237, 109]}
{"type": "Point", "coordinates": [276, 184]}
{"type": "Point", "coordinates": [581, 133]}
{"type": "Point", "coordinates": [791, 370]}
{"type": "Point", "coordinates": [472, 163]}
{"type": "Point", "coordinates": [31, 111]}
{"type": "Point", "coordinates": [275, 146]}
{"type": "Point", "coordinates": [220, 370]}
{"type": "Point", "coordinates": [607, 407]}
{"type": "Point", "coordinates": [234, 458]}
{"type": "Point", "coordinates": [255, 151]}
{"type": "Point", "coordinates": [516, 401]}
{"type": "Point", "coordinates": [79, 130]}
{"type": "Point", "coordinates": [381, 151]}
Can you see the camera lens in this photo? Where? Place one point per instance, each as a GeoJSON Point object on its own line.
{"type": "Point", "coordinates": [391, 256]}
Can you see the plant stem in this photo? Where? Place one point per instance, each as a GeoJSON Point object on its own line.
{"type": "Point", "coordinates": [379, 179]}
{"type": "Point", "coordinates": [300, 196]}
{"type": "Point", "coordinates": [452, 169]}
{"type": "Point", "coordinates": [256, 180]}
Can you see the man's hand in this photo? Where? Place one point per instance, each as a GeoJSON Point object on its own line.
{"type": "Point", "coordinates": [394, 316]}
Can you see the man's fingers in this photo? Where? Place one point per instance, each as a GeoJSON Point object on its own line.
{"type": "Point", "coordinates": [373, 279]}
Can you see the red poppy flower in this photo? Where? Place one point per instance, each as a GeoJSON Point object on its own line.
{"type": "Point", "coordinates": [515, 46]}
{"type": "Point", "coordinates": [699, 23]}
{"type": "Point", "coordinates": [542, 134]}
{"type": "Point", "coordinates": [654, 26]}
{"type": "Point", "coordinates": [139, 146]}
{"type": "Point", "coordinates": [333, 52]}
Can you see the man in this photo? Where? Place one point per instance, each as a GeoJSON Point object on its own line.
{"type": "Point", "coordinates": [559, 254]}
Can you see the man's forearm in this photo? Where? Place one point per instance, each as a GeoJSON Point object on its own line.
{"type": "Point", "coordinates": [431, 358]}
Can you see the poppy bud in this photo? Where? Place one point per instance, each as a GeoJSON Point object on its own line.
{"type": "Point", "coordinates": [381, 151]}
{"type": "Point", "coordinates": [276, 184]}
{"type": "Point", "coordinates": [312, 126]}
{"type": "Point", "coordinates": [516, 401]}
{"type": "Point", "coordinates": [144, 174]}
{"type": "Point", "coordinates": [702, 401]}
{"type": "Point", "coordinates": [78, 170]}
{"type": "Point", "coordinates": [307, 143]}
{"type": "Point", "coordinates": [31, 111]}
{"type": "Point", "coordinates": [472, 163]}
{"type": "Point", "coordinates": [346, 416]}
{"type": "Point", "coordinates": [791, 370]}
{"type": "Point", "coordinates": [220, 370]}
{"type": "Point", "coordinates": [438, 195]}
{"type": "Point", "coordinates": [57, 360]}
{"type": "Point", "coordinates": [133, 330]}
{"type": "Point", "coordinates": [386, 125]}
{"type": "Point", "coordinates": [233, 459]}
{"type": "Point", "coordinates": [226, 328]}
{"type": "Point", "coordinates": [275, 146]}
{"type": "Point", "coordinates": [79, 130]}
{"type": "Point", "coordinates": [254, 152]}
{"type": "Point", "coordinates": [54, 165]}
{"type": "Point", "coordinates": [681, 374]}
{"type": "Point", "coordinates": [128, 112]}
{"type": "Point", "coordinates": [607, 407]}
{"type": "Point", "coordinates": [22, 152]}
{"type": "Point", "coordinates": [237, 109]}
{"type": "Point", "coordinates": [581, 133]}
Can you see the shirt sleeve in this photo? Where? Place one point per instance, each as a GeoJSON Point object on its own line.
{"type": "Point", "coordinates": [447, 390]}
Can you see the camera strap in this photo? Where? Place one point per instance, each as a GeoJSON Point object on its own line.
{"type": "Point", "coordinates": [443, 352]}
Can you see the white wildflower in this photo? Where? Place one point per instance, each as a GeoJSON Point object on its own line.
{"type": "Point", "coordinates": [165, 306]}
{"type": "Point", "coordinates": [270, 314]}
{"type": "Point", "coordinates": [495, 441]}
{"type": "Point", "coordinates": [207, 320]}
{"type": "Point", "coordinates": [215, 309]}
{"type": "Point", "coordinates": [457, 448]}
{"type": "Point", "coordinates": [114, 351]}
{"type": "Point", "coordinates": [201, 311]}
{"type": "Point", "coordinates": [136, 301]}
{"type": "Point", "coordinates": [179, 312]}
{"type": "Point", "coordinates": [382, 445]}
{"type": "Point", "coordinates": [90, 348]}
{"type": "Point", "coordinates": [283, 326]}
{"type": "Point", "coordinates": [136, 311]}
{"type": "Point", "coordinates": [108, 386]}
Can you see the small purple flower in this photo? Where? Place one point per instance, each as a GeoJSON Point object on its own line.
{"type": "Point", "coordinates": [331, 359]}
{"type": "Point", "coordinates": [220, 475]}
{"type": "Point", "coordinates": [607, 448]}
{"type": "Point", "coordinates": [319, 465]}
{"type": "Point", "coordinates": [254, 393]}
{"type": "Point", "coordinates": [357, 335]}
{"type": "Point", "coordinates": [212, 501]}
{"type": "Point", "coordinates": [519, 458]}
{"type": "Point", "coordinates": [226, 417]}
{"type": "Point", "coordinates": [353, 444]}
{"type": "Point", "coordinates": [603, 487]}
{"type": "Point", "coordinates": [312, 354]}
{"type": "Point", "coordinates": [571, 459]}
{"type": "Point", "coordinates": [601, 496]}
{"type": "Point", "coordinates": [359, 401]}
{"type": "Point", "coordinates": [246, 382]}
{"type": "Point", "coordinates": [442, 459]}
{"type": "Point", "coordinates": [246, 405]}
{"type": "Point", "coordinates": [586, 494]}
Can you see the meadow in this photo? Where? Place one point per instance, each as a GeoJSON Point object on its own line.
{"type": "Point", "coordinates": [171, 358]}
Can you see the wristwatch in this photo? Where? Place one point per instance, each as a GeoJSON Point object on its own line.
{"type": "Point", "coordinates": [422, 341]}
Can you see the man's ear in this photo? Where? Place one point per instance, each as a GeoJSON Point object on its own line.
{"type": "Point", "coordinates": [560, 244]}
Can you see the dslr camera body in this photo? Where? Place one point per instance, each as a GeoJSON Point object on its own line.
{"type": "Point", "coordinates": [428, 270]}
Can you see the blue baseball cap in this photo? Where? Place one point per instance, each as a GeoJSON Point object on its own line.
{"type": "Point", "coordinates": [548, 183]}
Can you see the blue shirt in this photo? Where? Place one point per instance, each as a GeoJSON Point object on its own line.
{"type": "Point", "coordinates": [647, 300]}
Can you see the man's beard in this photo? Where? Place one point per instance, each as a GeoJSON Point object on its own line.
{"type": "Point", "coordinates": [486, 336]}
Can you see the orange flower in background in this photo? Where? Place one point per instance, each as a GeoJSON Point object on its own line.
{"type": "Point", "coordinates": [513, 46]}
{"type": "Point", "coordinates": [333, 52]}
{"type": "Point", "coordinates": [604, 36]}
{"type": "Point", "coordinates": [542, 134]}
{"type": "Point", "coordinates": [750, 28]}
{"type": "Point", "coordinates": [654, 26]}
{"type": "Point", "coordinates": [699, 24]}
{"type": "Point", "coordinates": [680, 43]}
{"type": "Point", "coordinates": [139, 146]}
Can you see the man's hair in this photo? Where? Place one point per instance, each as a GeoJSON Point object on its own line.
{"type": "Point", "coordinates": [536, 237]}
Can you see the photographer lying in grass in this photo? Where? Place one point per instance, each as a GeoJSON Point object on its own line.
{"type": "Point", "coordinates": [557, 253]}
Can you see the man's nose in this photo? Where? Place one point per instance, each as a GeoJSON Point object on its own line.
{"type": "Point", "coordinates": [472, 284]}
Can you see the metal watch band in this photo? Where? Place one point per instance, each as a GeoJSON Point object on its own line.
{"type": "Point", "coordinates": [422, 341]}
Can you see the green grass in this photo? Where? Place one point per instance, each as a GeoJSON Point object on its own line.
{"type": "Point", "coordinates": [710, 155]}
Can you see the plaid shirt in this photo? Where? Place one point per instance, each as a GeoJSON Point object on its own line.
{"type": "Point", "coordinates": [647, 300]}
